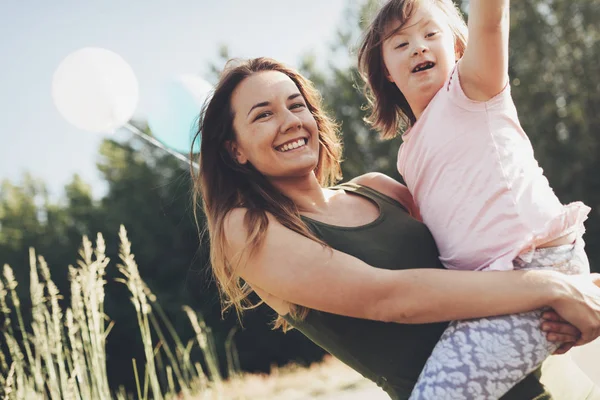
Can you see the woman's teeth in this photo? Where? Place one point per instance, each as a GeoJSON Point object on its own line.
{"type": "Point", "coordinates": [293, 145]}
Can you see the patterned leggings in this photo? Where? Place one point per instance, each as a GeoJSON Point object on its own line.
{"type": "Point", "coordinates": [484, 358]}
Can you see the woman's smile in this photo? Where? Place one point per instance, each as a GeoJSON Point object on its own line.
{"type": "Point", "coordinates": [271, 114]}
{"type": "Point", "coordinates": [293, 145]}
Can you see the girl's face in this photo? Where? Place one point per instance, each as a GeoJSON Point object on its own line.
{"type": "Point", "coordinates": [420, 56]}
{"type": "Point", "coordinates": [275, 131]}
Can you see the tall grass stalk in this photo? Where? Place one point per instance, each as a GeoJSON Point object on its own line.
{"type": "Point", "coordinates": [134, 283]}
{"type": "Point", "coordinates": [62, 353]}
{"type": "Point", "coordinates": [233, 361]}
{"type": "Point", "coordinates": [91, 283]}
{"type": "Point", "coordinates": [204, 338]}
{"type": "Point", "coordinates": [41, 335]}
{"type": "Point", "coordinates": [55, 326]}
{"type": "Point", "coordinates": [9, 382]}
{"type": "Point", "coordinates": [6, 327]}
{"type": "Point", "coordinates": [11, 283]}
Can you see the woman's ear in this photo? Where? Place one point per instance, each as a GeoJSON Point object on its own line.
{"type": "Point", "coordinates": [235, 152]}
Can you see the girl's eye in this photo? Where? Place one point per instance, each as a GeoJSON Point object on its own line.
{"type": "Point", "coordinates": [431, 34]}
{"type": "Point", "coordinates": [401, 45]}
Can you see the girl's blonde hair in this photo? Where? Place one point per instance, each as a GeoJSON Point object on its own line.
{"type": "Point", "coordinates": [388, 106]}
{"type": "Point", "coordinates": [223, 184]}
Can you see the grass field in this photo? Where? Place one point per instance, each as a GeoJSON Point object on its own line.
{"type": "Point", "coordinates": [62, 355]}
{"type": "Point", "coordinates": [332, 380]}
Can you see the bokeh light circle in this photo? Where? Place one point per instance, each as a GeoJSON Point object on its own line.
{"type": "Point", "coordinates": [95, 90]}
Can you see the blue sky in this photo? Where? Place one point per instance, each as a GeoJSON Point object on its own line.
{"type": "Point", "coordinates": [160, 39]}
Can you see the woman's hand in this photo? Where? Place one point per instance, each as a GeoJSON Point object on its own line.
{"type": "Point", "coordinates": [559, 331]}
{"type": "Point", "coordinates": [579, 304]}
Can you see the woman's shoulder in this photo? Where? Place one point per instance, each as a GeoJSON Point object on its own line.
{"type": "Point", "coordinates": [237, 219]}
{"type": "Point", "coordinates": [391, 188]}
{"type": "Point", "coordinates": [380, 183]}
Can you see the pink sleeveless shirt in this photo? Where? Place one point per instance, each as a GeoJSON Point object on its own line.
{"type": "Point", "coordinates": [471, 170]}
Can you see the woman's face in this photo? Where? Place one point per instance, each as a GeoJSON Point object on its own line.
{"type": "Point", "coordinates": [273, 127]}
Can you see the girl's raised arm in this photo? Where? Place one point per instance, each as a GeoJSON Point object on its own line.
{"type": "Point", "coordinates": [484, 66]}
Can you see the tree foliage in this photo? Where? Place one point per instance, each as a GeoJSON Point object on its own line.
{"type": "Point", "coordinates": [554, 58]}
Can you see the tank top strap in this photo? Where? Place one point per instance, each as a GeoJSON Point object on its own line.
{"type": "Point", "coordinates": [381, 199]}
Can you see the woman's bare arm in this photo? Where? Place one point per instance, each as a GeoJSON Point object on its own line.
{"type": "Point", "coordinates": [301, 271]}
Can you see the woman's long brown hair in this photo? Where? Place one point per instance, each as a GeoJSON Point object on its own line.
{"type": "Point", "coordinates": [223, 184]}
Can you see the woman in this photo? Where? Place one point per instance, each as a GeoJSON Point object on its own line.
{"type": "Point", "coordinates": [356, 255]}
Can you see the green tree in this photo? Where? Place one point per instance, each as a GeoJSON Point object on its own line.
{"type": "Point", "coordinates": [554, 58]}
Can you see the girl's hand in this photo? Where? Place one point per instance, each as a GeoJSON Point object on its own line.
{"type": "Point", "coordinates": [559, 330]}
{"type": "Point", "coordinates": [579, 304]}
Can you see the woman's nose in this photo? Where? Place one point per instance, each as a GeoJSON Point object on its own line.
{"type": "Point", "coordinates": [291, 121]}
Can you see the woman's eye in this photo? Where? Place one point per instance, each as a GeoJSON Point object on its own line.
{"type": "Point", "coordinates": [262, 115]}
{"type": "Point", "coordinates": [297, 105]}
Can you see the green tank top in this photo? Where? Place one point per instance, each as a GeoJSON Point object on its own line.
{"type": "Point", "coordinates": [390, 354]}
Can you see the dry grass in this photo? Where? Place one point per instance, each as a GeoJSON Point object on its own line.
{"type": "Point", "coordinates": [62, 355]}
{"type": "Point", "coordinates": [295, 383]}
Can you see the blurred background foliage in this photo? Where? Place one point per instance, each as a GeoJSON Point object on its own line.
{"type": "Point", "coordinates": [554, 58]}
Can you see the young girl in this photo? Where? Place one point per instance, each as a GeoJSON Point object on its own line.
{"type": "Point", "coordinates": [471, 170]}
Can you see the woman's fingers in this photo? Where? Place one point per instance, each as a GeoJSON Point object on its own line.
{"type": "Point", "coordinates": [564, 348]}
{"type": "Point", "coordinates": [551, 315]}
{"type": "Point", "coordinates": [561, 328]}
{"type": "Point", "coordinates": [560, 332]}
{"type": "Point", "coordinates": [561, 338]}
{"type": "Point", "coordinates": [582, 305]}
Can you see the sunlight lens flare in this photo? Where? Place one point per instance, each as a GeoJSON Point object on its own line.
{"type": "Point", "coordinates": [174, 120]}
{"type": "Point", "coordinates": [95, 90]}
